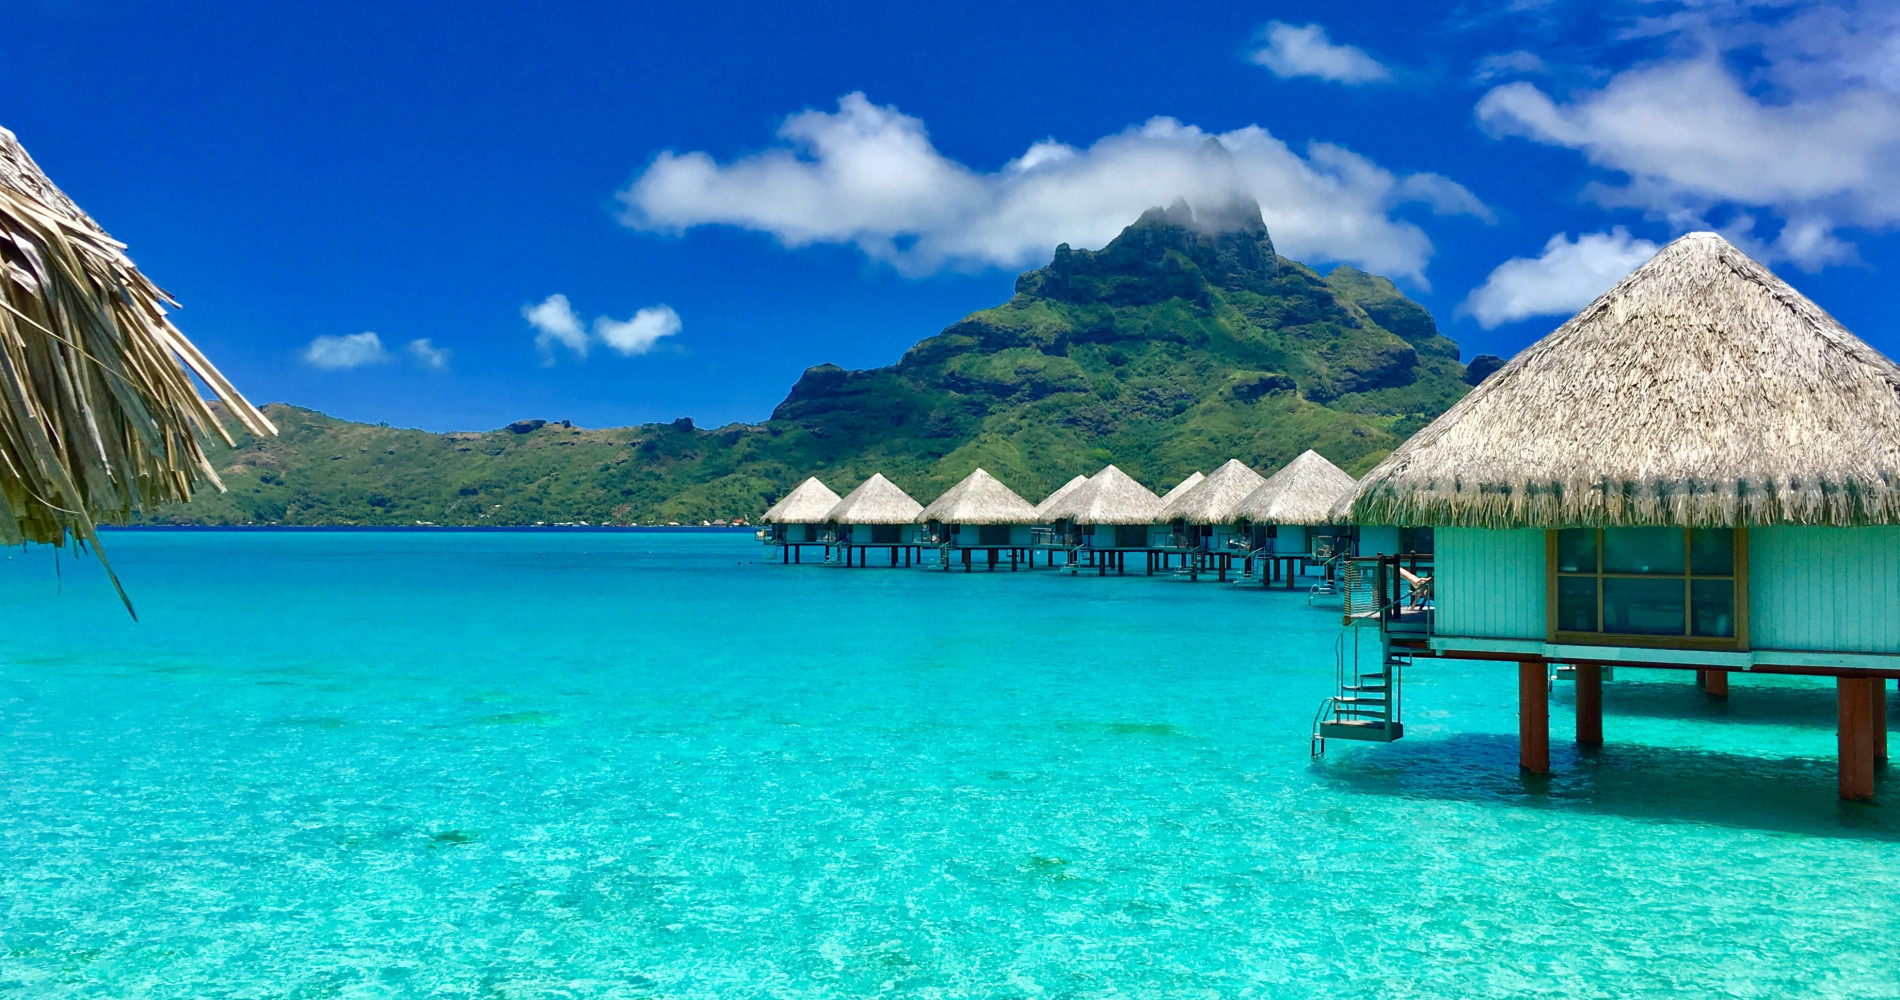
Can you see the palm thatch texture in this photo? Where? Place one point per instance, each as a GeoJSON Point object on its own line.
{"type": "Point", "coordinates": [1049, 502]}
{"type": "Point", "coordinates": [808, 503]}
{"type": "Point", "coordinates": [98, 413]}
{"type": "Point", "coordinates": [1213, 499]}
{"type": "Point", "coordinates": [1702, 390]}
{"type": "Point", "coordinates": [1309, 491]}
{"type": "Point", "coordinates": [1109, 497]}
{"type": "Point", "coordinates": [876, 501]}
{"type": "Point", "coordinates": [979, 499]}
{"type": "Point", "coordinates": [1181, 487]}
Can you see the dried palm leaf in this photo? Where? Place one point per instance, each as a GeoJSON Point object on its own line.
{"type": "Point", "coordinates": [98, 412]}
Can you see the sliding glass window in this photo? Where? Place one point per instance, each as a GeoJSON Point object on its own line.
{"type": "Point", "coordinates": [1665, 583]}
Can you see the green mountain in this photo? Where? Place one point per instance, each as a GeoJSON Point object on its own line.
{"type": "Point", "coordinates": [1184, 342]}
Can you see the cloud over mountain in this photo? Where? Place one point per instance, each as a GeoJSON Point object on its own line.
{"type": "Point", "coordinates": [867, 175]}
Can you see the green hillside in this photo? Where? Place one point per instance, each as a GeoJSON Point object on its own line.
{"type": "Point", "coordinates": [1184, 342]}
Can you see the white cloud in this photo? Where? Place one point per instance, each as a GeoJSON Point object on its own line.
{"type": "Point", "coordinates": [1563, 279]}
{"type": "Point", "coordinates": [1305, 50]}
{"type": "Point", "coordinates": [352, 351]}
{"type": "Point", "coordinates": [425, 354]}
{"type": "Point", "coordinates": [867, 175]}
{"type": "Point", "coordinates": [1503, 64]}
{"type": "Point", "coordinates": [1794, 117]}
{"type": "Point", "coordinates": [554, 322]}
{"type": "Point", "coordinates": [639, 334]}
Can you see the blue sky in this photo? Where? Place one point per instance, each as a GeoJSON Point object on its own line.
{"type": "Point", "coordinates": [724, 194]}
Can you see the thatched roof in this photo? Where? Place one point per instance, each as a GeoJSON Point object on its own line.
{"type": "Point", "coordinates": [1213, 499]}
{"type": "Point", "coordinates": [876, 501]}
{"type": "Point", "coordinates": [1109, 497]}
{"type": "Point", "coordinates": [1194, 479]}
{"type": "Point", "coordinates": [1701, 390]}
{"type": "Point", "coordinates": [1042, 509]}
{"type": "Point", "coordinates": [1305, 492]}
{"type": "Point", "coordinates": [98, 413]}
{"type": "Point", "coordinates": [979, 499]}
{"type": "Point", "coordinates": [807, 504]}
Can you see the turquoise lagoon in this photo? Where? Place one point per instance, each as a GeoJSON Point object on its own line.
{"type": "Point", "coordinates": [648, 764]}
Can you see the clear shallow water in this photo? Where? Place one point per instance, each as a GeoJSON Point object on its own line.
{"type": "Point", "coordinates": [645, 765]}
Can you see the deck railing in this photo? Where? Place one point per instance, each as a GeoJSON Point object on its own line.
{"type": "Point", "coordinates": [1397, 590]}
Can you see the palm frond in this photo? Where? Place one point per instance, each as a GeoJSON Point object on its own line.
{"type": "Point", "coordinates": [98, 412]}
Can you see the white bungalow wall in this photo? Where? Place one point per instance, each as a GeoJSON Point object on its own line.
{"type": "Point", "coordinates": [1104, 537]}
{"type": "Point", "coordinates": [1378, 540]}
{"type": "Point", "coordinates": [861, 535]}
{"type": "Point", "coordinates": [970, 536]}
{"type": "Point", "coordinates": [1824, 589]}
{"type": "Point", "coordinates": [1487, 583]}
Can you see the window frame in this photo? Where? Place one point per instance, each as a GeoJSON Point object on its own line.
{"type": "Point", "coordinates": [1739, 641]}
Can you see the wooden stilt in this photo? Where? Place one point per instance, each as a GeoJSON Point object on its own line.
{"type": "Point", "coordinates": [1589, 705]}
{"type": "Point", "coordinates": [1879, 726]}
{"type": "Point", "coordinates": [1533, 719]}
{"type": "Point", "coordinates": [1715, 684]}
{"type": "Point", "coordinates": [1854, 697]}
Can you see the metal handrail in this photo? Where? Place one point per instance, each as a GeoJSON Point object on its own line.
{"type": "Point", "coordinates": [1393, 683]}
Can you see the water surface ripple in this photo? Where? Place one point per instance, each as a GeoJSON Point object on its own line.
{"type": "Point", "coordinates": [647, 765]}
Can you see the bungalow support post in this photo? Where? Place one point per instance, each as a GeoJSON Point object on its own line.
{"type": "Point", "coordinates": [1589, 705]}
{"type": "Point", "coordinates": [1855, 697]}
{"type": "Point", "coordinates": [1714, 683]}
{"type": "Point", "coordinates": [1533, 718]}
{"type": "Point", "coordinates": [1880, 722]}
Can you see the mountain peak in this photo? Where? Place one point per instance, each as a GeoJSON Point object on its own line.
{"type": "Point", "coordinates": [1172, 252]}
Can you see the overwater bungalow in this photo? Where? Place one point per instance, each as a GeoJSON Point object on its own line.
{"type": "Point", "coordinates": [1051, 536]}
{"type": "Point", "coordinates": [798, 520]}
{"type": "Point", "coordinates": [1700, 471]}
{"type": "Point", "coordinates": [876, 515]}
{"type": "Point", "coordinates": [1194, 479]}
{"type": "Point", "coordinates": [1104, 519]}
{"type": "Point", "coordinates": [1290, 522]}
{"type": "Point", "coordinates": [1201, 519]}
{"type": "Point", "coordinates": [1042, 509]}
{"type": "Point", "coordinates": [979, 515]}
{"type": "Point", "coordinates": [1161, 535]}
